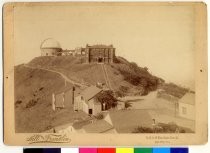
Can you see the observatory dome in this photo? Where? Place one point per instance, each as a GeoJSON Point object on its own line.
{"type": "Point", "coordinates": [50, 47]}
{"type": "Point", "coordinates": [50, 43]}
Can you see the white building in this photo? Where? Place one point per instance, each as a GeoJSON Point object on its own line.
{"type": "Point", "coordinates": [50, 47]}
{"type": "Point", "coordinates": [87, 102]}
{"type": "Point", "coordinates": [187, 106]}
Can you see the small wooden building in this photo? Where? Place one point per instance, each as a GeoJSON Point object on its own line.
{"type": "Point", "coordinates": [187, 106]}
{"type": "Point", "coordinates": [63, 98]}
{"type": "Point", "coordinates": [87, 102]}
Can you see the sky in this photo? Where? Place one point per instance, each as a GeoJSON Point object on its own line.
{"type": "Point", "coordinates": [158, 37]}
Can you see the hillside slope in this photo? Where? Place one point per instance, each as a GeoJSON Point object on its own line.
{"type": "Point", "coordinates": [33, 97]}
{"type": "Point", "coordinates": [125, 78]}
{"type": "Point", "coordinates": [34, 87]}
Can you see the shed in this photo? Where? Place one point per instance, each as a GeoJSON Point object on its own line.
{"type": "Point", "coordinates": [62, 98]}
{"type": "Point", "coordinates": [86, 101]}
{"type": "Point", "coordinates": [187, 106]}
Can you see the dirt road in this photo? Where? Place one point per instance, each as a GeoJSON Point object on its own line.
{"type": "Point", "coordinates": [61, 74]}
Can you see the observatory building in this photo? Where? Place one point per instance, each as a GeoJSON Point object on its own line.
{"type": "Point", "coordinates": [91, 53]}
{"type": "Point", "coordinates": [50, 47]}
{"type": "Point", "coordinates": [100, 53]}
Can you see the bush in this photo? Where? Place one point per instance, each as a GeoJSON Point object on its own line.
{"type": "Point", "coordinates": [127, 105]}
{"type": "Point", "coordinates": [18, 102]}
{"type": "Point", "coordinates": [99, 116]}
{"type": "Point", "coordinates": [143, 130]}
{"type": "Point", "coordinates": [31, 103]}
{"type": "Point", "coordinates": [162, 128]}
{"type": "Point", "coordinates": [123, 88]}
{"type": "Point", "coordinates": [168, 128]}
{"type": "Point", "coordinates": [41, 88]}
{"type": "Point", "coordinates": [108, 98]}
{"type": "Point", "coordinates": [120, 94]}
{"type": "Point", "coordinates": [174, 90]}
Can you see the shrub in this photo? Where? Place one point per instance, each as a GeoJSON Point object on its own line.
{"type": "Point", "coordinates": [99, 116]}
{"type": "Point", "coordinates": [182, 131]}
{"type": "Point", "coordinates": [41, 88]}
{"type": "Point", "coordinates": [162, 128]}
{"type": "Point", "coordinates": [120, 94]}
{"type": "Point", "coordinates": [18, 102]}
{"type": "Point", "coordinates": [31, 103]}
{"type": "Point", "coordinates": [123, 88]}
{"type": "Point", "coordinates": [141, 129]}
{"type": "Point", "coordinates": [108, 98]}
{"type": "Point", "coordinates": [174, 90]}
{"type": "Point", "coordinates": [127, 105]}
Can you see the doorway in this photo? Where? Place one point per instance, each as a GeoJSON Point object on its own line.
{"type": "Point", "coordinates": [100, 60]}
{"type": "Point", "coordinates": [90, 111]}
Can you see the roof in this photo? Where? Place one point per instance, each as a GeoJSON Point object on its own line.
{"type": "Point", "coordinates": [64, 126]}
{"type": "Point", "coordinates": [99, 126]}
{"type": "Point", "coordinates": [100, 46]}
{"type": "Point", "coordinates": [90, 92]}
{"type": "Point", "coordinates": [80, 124]}
{"type": "Point", "coordinates": [50, 43]}
{"type": "Point", "coordinates": [188, 98]}
{"type": "Point", "coordinates": [125, 121]}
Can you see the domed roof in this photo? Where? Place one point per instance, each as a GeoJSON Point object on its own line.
{"type": "Point", "coordinates": [50, 43]}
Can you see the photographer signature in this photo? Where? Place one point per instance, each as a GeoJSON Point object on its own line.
{"type": "Point", "coordinates": [49, 138]}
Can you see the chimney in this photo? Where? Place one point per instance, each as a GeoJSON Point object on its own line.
{"type": "Point", "coordinates": [153, 121]}
{"type": "Point", "coordinates": [53, 101]}
{"type": "Point", "coordinates": [104, 106]}
{"type": "Point", "coordinates": [73, 89]}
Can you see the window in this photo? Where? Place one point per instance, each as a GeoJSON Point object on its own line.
{"type": "Point", "coordinates": [82, 98]}
{"type": "Point", "coordinates": [184, 110]}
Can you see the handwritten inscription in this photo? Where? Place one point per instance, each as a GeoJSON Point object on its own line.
{"type": "Point", "coordinates": [49, 138]}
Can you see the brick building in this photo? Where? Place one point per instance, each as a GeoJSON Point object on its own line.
{"type": "Point", "coordinates": [100, 53]}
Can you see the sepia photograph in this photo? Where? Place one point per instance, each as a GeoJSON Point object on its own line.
{"type": "Point", "coordinates": [105, 70]}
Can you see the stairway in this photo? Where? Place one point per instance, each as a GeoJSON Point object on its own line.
{"type": "Point", "coordinates": [106, 77]}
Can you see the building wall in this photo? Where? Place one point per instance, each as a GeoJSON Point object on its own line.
{"type": "Point", "coordinates": [68, 98]}
{"type": "Point", "coordinates": [187, 111]}
{"type": "Point", "coordinates": [97, 109]}
{"type": "Point", "coordinates": [78, 103]}
{"type": "Point", "coordinates": [67, 130]}
{"type": "Point", "coordinates": [97, 55]}
{"type": "Point", "coordinates": [50, 51]}
{"type": "Point", "coordinates": [85, 107]}
{"type": "Point", "coordinates": [59, 100]}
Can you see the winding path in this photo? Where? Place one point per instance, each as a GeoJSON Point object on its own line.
{"type": "Point", "coordinates": [61, 74]}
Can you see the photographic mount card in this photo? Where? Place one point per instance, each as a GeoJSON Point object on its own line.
{"type": "Point", "coordinates": [94, 73]}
